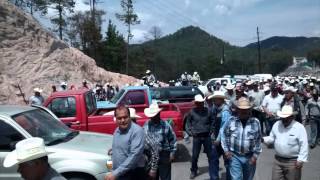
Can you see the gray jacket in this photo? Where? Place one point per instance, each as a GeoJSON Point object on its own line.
{"type": "Point", "coordinates": [199, 122]}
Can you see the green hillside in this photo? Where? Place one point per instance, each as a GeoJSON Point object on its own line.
{"type": "Point", "coordinates": [192, 49]}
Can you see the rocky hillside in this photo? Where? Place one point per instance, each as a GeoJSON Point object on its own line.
{"type": "Point", "coordinates": [32, 57]}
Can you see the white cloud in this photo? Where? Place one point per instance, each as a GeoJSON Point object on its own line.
{"type": "Point", "coordinates": [222, 9]}
{"type": "Point", "coordinates": [144, 16]}
{"type": "Point", "coordinates": [187, 3]}
{"type": "Point", "coordinates": [204, 12]}
{"type": "Point", "coordinates": [138, 35]}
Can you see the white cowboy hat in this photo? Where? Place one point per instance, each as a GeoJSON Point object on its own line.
{"type": "Point", "coordinates": [148, 71]}
{"type": "Point", "coordinates": [217, 94]}
{"type": "Point", "coordinates": [152, 111]}
{"type": "Point", "coordinates": [290, 88]}
{"type": "Point", "coordinates": [133, 114]}
{"type": "Point", "coordinates": [26, 150]}
{"type": "Point", "coordinates": [63, 84]}
{"type": "Point", "coordinates": [230, 86]}
{"type": "Point", "coordinates": [305, 81]}
{"type": "Point", "coordinates": [37, 90]}
{"type": "Point", "coordinates": [266, 88]}
{"type": "Point", "coordinates": [286, 111]}
{"type": "Point", "coordinates": [198, 98]}
{"type": "Point", "coordinates": [243, 103]}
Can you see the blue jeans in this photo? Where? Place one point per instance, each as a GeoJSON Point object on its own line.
{"type": "Point", "coordinates": [240, 168]}
{"type": "Point", "coordinates": [217, 152]}
{"type": "Point", "coordinates": [269, 123]}
{"type": "Point", "coordinates": [196, 147]}
{"type": "Point", "coordinates": [315, 130]}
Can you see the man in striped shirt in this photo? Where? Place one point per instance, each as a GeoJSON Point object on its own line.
{"type": "Point", "coordinates": [241, 141]}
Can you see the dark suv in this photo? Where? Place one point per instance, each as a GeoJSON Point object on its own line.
{"type": "Point", "coordinates": [175, 94]}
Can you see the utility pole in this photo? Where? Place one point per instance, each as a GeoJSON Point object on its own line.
{"type": "Point", "coordinates": [259, 52]}
{"type": "Point", "coordinates": [222, 61]}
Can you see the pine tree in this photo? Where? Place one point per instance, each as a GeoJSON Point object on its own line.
{"type": "Point", "coordinates": [61, 7]}
{"type": "Point", "coordinates": [129, 18]}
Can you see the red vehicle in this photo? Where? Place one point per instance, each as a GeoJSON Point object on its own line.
{"type": "Point", "coordinates": [80, 111]}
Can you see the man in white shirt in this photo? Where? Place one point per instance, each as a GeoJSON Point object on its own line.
{"type": "Point", "coordinates": [271, 104]}
{"type": "Point", "coordinates": [291, 145]}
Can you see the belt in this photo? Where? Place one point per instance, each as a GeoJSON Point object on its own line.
{"type": "Point", "coordinates": [285, 158]}
{"type": "Point", "coordinates": [201, 135]}
{"type": "Point", "coordinates": [243, 154]}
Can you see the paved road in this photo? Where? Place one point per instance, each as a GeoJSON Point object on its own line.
{"type": "Point", "coordinates": [181, 168]}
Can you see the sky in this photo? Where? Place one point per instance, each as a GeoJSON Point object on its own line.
{"type": "Point", "coordinates": [234, 21]}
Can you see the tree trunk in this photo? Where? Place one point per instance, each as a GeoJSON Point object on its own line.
{"type": "Point", "coordinates": [60, 20]}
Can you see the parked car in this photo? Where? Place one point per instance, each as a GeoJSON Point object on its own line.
{"type": "Point", "coordinates": [211, 82]}
{"type": "Point", "coordinates": [80, 110]}
{"type": "Point", "coordinates": [76, 155]}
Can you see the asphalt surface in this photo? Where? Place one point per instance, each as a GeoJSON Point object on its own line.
{"type": "Point", "coordinates": [181, 167]}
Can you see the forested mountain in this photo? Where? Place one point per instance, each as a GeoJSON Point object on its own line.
{"type": "Point", "coordinates": [298, 46]}
{"type": "Point", "coordinates": [192, 49]}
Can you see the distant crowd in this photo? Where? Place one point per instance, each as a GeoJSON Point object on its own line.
{"type": "Point", "coordinates": [230, 121]}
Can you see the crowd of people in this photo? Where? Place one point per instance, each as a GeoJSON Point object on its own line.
{"type": "Point", "coordinates": [101, 93]}
{"type": "Point", "coordinates": [230, 121]}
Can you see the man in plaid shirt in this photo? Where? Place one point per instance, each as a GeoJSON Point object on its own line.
{"type": "Point", "coordinates": [164, 136]}
{"type": "Point", "coordinates": [241, 141]}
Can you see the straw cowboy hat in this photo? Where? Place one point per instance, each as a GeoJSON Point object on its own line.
{"type": "Point", "coordinates": [286, 111]}
{"type": "Point", "coordinates": [217, 94]}
{"type": "Point", "coordinates": [39, 90]}
{"type": "Point", "coordinates": [243, 103]}
{"type": "Point", "coordinates": [26, 150]}
{"type": "Point", "coordinates": [249, 83]}
{"type": "Point", "coordinates": [152, 111]}
{"type": "Point", "coordinates": [198, 98]}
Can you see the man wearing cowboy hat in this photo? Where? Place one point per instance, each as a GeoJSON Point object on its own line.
{"type": "Point", "coordinates": [313, 114]}
{"type": "Point", "coordinates": [221, 113]}
{"type": "Point", "coordinates": [32, 159]}
{"type": "Point", "coordinates": [256, 97]}
{"type": "Point", "coordinates": [199, 124]}
{"type": "Point", "coordinates": [290, 98]}
{"type": "Point", "coordinates": [161, 131]}
{"type": "Point", "coordinates": [241, 141]}
{"type": "Point", "coordinates": [291, 146]}
{"type": "Point", "coordinates": [37, 98]}
{"type": "Point", "coordinates": [149, 78]}
{"type": "Point", "coordinates": [230, 94]}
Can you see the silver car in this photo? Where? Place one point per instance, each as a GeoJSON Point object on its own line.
{"type": "Point", "coordinates": [76, 155]}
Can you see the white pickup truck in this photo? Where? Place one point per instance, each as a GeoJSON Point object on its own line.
{"type": "Point", "coordinates": [76, 155]}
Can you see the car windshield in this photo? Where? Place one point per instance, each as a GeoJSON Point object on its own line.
{"type": "Point", "coordinates": [39, 123]}
{"type": "Point", "coordinates": [115, 98]}
{"type": "Point", "coordinates": [204, 82]}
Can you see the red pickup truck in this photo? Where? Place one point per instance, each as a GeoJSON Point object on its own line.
{"type": "Point", "coordinates": [79, 109]}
